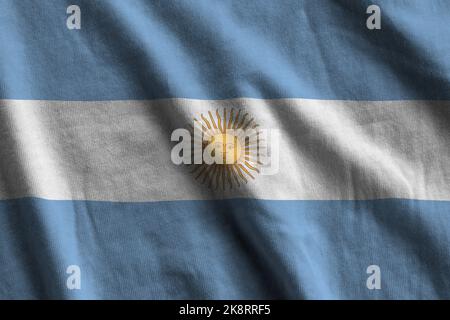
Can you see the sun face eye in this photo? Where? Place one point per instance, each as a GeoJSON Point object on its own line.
{"type": "Point", "coordinates": [236, 164]}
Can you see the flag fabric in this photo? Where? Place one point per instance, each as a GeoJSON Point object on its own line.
{"type": "Point", "coordinates": [92, 207]}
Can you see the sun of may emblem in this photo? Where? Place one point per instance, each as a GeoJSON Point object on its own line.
{"type": "Point", "coordinates": [229, 148]}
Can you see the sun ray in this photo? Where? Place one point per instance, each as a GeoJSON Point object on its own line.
{"type": "Point", "coordinates": [242, 121]}
{"type": "Point", "coordinates": [219, 121]}
{"type": "Point", "coordinates": [246, 171]}
{"type": "Point", "coordinates": [202, 133]}
{"type": "Point", "coordinates": [224, 120]}
{"type": "Point", "coordinates": [250, 159]}
{"type": "Point", "coordinates": [233, 170]}
{"type": "Point", "coordinates": [206, 121]}
{"type": "Point", "coordinates": [206, 173]}
{"type": "Point", "coordinates": [248, 123]}
{"type": "Point", "coordinates": [230, 182]}
{"type": "Point", "coordinates": [250, 166]}
{"type": "Point", "coordinates": [198, 125]}
{"type": "Point", "coordinates": [218, 175]}
{"type": "Point", "coordinates": [236, 119]}
{"type": "Point", "coordinates": [242, 134]}
{"type": "Point", "coordinates": [239, 171]}
{"type": "Point", "coordinates": [212, 175]}
{"type": "Point", "coordinates": [203, 169]}
{"type": "Point", "coordinates": [231, 118]}
{"type": "Point", "coordinates": [212, 119]}
{"type": "Point", "coordinates": [222, 176]}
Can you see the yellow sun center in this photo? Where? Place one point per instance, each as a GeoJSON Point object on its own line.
{"type": "Point", "coordinates": [228, 147]}
{"type": "Point", "coordinates": [232, 158]}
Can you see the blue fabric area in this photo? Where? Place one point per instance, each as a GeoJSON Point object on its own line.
{"type": "Point", "coordinates": [224, 249]}
{"type": "Point", "coordinates": [209, 49]}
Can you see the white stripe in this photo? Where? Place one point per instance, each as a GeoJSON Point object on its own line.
{"type": "Point", "coordinates": [120, 150]}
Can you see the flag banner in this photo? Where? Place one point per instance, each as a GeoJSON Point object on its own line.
{"type": "Point", "coordinates": [205, 149]}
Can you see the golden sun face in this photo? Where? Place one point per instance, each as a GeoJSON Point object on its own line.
{"type": "Point", "coordinates": [234, 140]}
{"type": "Point", "coordinates": [228, 147]}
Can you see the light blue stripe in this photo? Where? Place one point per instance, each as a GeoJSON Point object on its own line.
{"type": "Point", "coordinates": [225, 249]}
{"type": "Point", "coordinates": [210, 49]}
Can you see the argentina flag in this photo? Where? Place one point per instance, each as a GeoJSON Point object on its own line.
{"type": "Point", "coordinates": [211, 150]}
